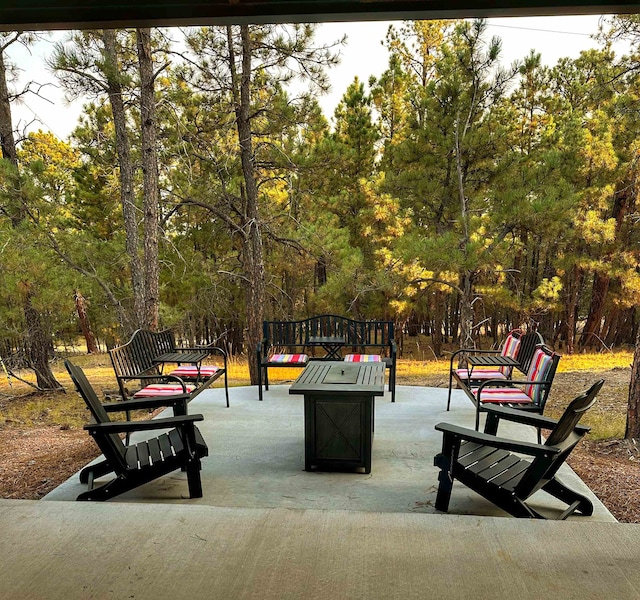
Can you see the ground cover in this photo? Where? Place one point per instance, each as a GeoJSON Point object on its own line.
{"type": "Point", "coordinates": [42, 442]}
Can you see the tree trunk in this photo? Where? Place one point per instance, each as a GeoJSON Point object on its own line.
{"type": "Point", "coordinates": [438, 322]}
{"type": "Point", "coordinates": [40, 345]}
{"type": "Point", "coordinates": [573, 289]}
{"type": "Point", "coordinates": [150, 179]}
{"type": "Point", "coordinates": [85, 325]}
{"type": "Point", "coordinates": [633, 408]}
{"type": "Point", "coordinates": [252, 251]}
{"type": "Point", "coordinates": [39, 340]}
{"type": "Point", "coordinates": [126, 175]}
{"type": "Point", "coordinates": [592, 329]}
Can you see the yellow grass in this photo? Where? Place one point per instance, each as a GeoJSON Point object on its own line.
{"type": "Point", "coordinates": [20, 404]}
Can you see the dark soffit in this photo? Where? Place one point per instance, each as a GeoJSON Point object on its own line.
{"type": "Point", "coordinates": [78, 14]}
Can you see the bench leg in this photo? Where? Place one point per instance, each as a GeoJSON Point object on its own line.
{"type": "Point", "coordinates": [226, 387]}
{"type": "Point", "coordinates": [450, 387]}
{"type": "Point", "coordinates": [392, 383]}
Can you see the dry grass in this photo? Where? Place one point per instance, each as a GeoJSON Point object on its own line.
{"type": "Point", "coordinates": [20, 404]}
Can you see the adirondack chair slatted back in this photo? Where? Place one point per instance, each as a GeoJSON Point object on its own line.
{"type": "Point", "coordinates": [565, 436]}
{"type": "Point", "coordinates": [110, 444]}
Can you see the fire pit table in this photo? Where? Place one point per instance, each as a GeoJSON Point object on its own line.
{"type": "Point", "coordinates": [339, 413]}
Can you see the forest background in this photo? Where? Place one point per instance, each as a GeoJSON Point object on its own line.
{"type": "Point", "coordinates": [204, 190]}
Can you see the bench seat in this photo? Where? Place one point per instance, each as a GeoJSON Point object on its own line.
{"type": "Point", "coordinates": [295, 344]}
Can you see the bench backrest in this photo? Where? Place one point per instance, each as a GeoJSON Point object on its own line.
{"type": "Point", "coordinates": [136, 356]}
{"type": "Point", "coordinates": [526, 349]}
{"type": "Point", "coordinates": [542, 369]}
{"type": "Point", "coordinates": [356, 333]}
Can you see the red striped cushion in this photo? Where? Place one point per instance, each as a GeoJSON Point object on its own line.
{"type": "Point", "coordinates": [289, 359]}
{"type": "Point", "coordinates": [483, 374]}
{"type": "Point", "coordinates": [191, 371]}
{"type": "Point", "coordinates": [538, 372]}
{"type": "Point", "coordinates": [363, 358]}
{"type": "Point", "coordinates": [162, 389]}
{"type": "Point", "coordinates": [510, 349]}
{"type": "Point", "coordinates": [503, 395]}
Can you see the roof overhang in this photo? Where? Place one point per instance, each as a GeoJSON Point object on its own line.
{"type": "Point", "coordinates": [84, 14]}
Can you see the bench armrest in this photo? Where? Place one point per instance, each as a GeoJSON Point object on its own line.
{"type": "Point", "coordinates": [472, 351]}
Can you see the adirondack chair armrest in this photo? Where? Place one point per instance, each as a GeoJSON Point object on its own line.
{"type": "Point", "coordinates": [147, 425]}
{"type": "Point", "coordinates": [486, 439]}
{"type": "Point", "coordinates": [146, 403]}
{"type": "Point", "coordinates": [524, 418]}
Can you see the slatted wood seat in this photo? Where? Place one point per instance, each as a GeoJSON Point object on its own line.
{"type": "Point", "coordinates": [508, 472]}
{"type": "Point", "coordinates": [181, 447]}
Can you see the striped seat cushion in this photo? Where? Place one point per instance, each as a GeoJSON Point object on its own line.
{"type": "Point", "coordinates": [289, 359]}
{"type": "Point", "coordinates": [538, 371]}
{"type": "Point", "coordinates": [503, 396]}
{"type": "Point", "coordinates": [191, 371]}
{"type": "Point", "coordinates": [162, 389]}
{"type": "Point", "coordinates": [363, 358]}
{"type": "Point", "coordinates": [480, 374]}
{"type": "Point", "coordinates": [509, 349]}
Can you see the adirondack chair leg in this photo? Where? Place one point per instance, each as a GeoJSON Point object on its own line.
{"type": "Point", "coordinates": [444, 461]}
{"type": "Point", "coordinates": [193, 479]}
{"type": "Point", "coordinates": [560, 491]}
{"type": "Point", "coordinates": [446, 482]}
{"type": "Point", "coordinates": [108, 490]}
{"type": "Point", "coordinates": [93, 471]}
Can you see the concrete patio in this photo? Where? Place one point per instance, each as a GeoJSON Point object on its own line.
{"type": "Point", "coordinates": [265, 528]}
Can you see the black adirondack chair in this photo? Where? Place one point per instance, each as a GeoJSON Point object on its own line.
{"type": "Point", "coordinates": [133, 465]}
{"type": "Point", "coordinates": [492, 466]}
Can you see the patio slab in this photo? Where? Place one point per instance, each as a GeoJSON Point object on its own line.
{"type": "Point", "coordinates": [73, 550]}
{"type": "Point", "coordinates": [256, 459]}
{"type": "Point", "coordinates": [267, 530]}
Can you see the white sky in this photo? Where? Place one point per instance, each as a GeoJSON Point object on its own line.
{"type": "Point", "coordinates": [364, 55]}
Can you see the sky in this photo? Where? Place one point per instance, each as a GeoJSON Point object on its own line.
{"type": "Point", "coordinates": [364, 55]}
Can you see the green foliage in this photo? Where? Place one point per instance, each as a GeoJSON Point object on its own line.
{"type": "Point", "coordinates": [449, 183]}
